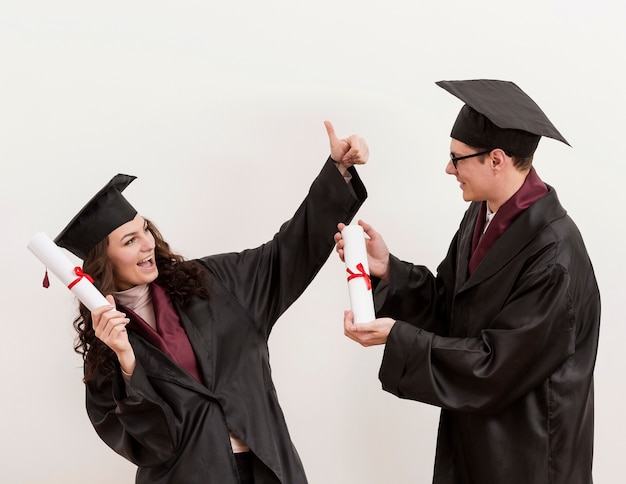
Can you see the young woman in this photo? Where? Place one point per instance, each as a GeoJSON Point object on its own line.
{"type": "Point", "coordinates": [177, 369]}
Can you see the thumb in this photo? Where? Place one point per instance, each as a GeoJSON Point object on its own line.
{"type": "Point", "coordinates": [111, 300]}
{"type": "Point", "coordinates": [367, 228]}
{"type": "Point", "coordinates": [348, 321]}
{"type": "Point", "coordinates": [331, 133]}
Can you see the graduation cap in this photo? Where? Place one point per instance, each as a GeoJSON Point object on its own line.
{"type": "Point", "coordinates": [105, 212]}
{"type": "Point", "coordinates": [498, 114]}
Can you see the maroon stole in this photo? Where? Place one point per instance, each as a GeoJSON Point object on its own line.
{"type": "Point", "coordinates": [531, 190]}
{"type": "Point", "coordinates": [170, 336]}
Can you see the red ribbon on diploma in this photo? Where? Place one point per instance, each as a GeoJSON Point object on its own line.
{"type": "Point", "coordinates": [361, 273]}
{"type": "Point", "coordinates": [79, 272]}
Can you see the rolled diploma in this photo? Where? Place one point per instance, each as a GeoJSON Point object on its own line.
{"type": "Point", "coordinates": [54, 259]}
{"type": "Point", "coordinates": [359, 287]}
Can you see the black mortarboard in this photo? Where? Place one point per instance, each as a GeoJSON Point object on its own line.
{"type": "Point", "coordinates": [105, 212]}
{"type": "Point", "coordinates": [498, 114]}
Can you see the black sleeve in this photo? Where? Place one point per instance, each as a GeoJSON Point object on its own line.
{"type": "Point", "coordinates": [268, 279]}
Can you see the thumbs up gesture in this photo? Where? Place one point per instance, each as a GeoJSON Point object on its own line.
{"type": "Point", "coordinates": [347, 151]}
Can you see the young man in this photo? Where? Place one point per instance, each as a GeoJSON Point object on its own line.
{"type": "Point", "coordinates": [504, 337]}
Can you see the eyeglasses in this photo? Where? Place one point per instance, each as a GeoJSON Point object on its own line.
{"type": "Point", "coordinates": [455, 159]}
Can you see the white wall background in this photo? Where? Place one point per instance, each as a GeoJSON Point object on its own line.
{"type": "Point", "coordinates": [218, 108]}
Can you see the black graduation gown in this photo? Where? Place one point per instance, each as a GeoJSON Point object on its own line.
{"type": "Point", "coordinates": [507, 353]}
{"type": "Point", "coordinates": [175, 428]}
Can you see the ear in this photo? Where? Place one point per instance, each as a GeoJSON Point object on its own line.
{"type": "Point", "coordinates": [498, 159]}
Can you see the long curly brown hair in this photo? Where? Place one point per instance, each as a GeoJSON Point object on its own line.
{"type": "Point", "coordinates": [181, 279]}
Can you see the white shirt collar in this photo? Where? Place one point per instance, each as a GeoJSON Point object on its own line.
{"type": "Point", "coordinates": [488, 217]}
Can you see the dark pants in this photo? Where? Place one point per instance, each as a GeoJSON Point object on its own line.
{"type": "Point", "coordinates": [244, 467]}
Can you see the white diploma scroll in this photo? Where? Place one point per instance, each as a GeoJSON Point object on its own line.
{"type": "Point", "coordinates": [358, 274]}
{"type": "Point", "coordinates": [69, 274]}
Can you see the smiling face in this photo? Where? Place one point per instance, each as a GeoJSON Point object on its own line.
{"type": "Point", "coordinates": [131, 253]}
{"type": "Point", "coordinates": [474, 174]}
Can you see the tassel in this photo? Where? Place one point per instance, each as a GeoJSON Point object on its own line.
{"type": "Point", "coordinates": [46, 281]}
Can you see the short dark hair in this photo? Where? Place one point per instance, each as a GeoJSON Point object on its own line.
{"type": "Point", "coordinates": [520, 162]}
